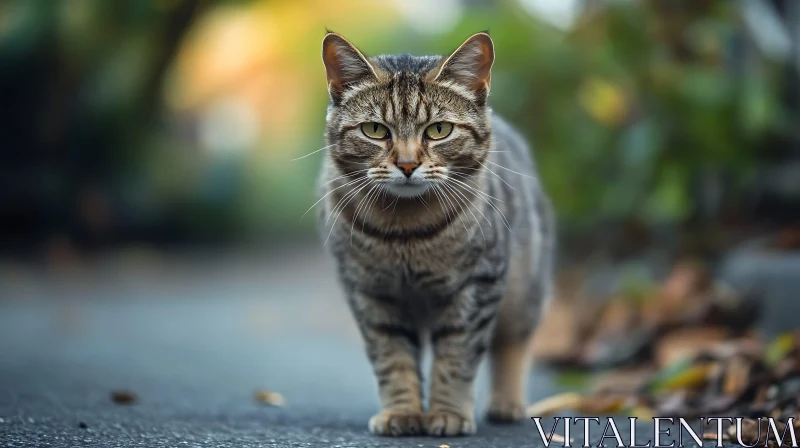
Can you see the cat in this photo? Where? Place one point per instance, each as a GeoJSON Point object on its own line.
{"type": "Point", "coordinates": [441, 232]}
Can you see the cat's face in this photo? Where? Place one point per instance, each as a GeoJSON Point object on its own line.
{"type": "Point", "coordinates": [408, 122]}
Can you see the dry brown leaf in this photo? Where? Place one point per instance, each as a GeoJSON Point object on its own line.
{"type": "Point", "coordinates": [556, 403]}
{"type": "Point", "coordinates": [687, 343]}
{"type": "Point", "coordinates": [557, 337]}
{"type": "Point", "coordinates": [683, 293]}
{"type": "Point", "coordinates": [617, 318]}
{"type": "Point", "coordinates": [595, 405]}
{"type": "Point", "coordinates": [270, 398]}
{"type": "Point", "coordinates": [686, 278]}
{"type": "Point", "coordinates": [737, 376]}
{"type": "Point", "coordinates": [624, 380]}
{"type": "Point", "coordinates": [749, 346]}
{"type": "Point", "coordinates": [123, 397]}
{"type": "Point", "coordinates": [788, 238]}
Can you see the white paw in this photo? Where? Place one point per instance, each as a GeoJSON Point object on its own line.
{"type": "Point", "coordinates": [396, 423]}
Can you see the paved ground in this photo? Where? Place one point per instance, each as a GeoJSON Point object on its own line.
{"type": "Point", "coordinates": [194, 342]}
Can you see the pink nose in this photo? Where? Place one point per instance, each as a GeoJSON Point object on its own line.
{"type": "Point", "coordinates": [407, 167]}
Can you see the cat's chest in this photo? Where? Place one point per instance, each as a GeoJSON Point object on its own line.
{"type": "Point", "coordinates": [414, 270]}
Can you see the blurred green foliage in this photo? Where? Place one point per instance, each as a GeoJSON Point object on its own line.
{"type": "Point", "coordinates": [634, 105]}
{"type": "Point", "coordinates": [626, 112]}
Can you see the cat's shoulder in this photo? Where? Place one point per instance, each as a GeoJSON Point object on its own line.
{"type": "Point", "coordinates": [507, 137]}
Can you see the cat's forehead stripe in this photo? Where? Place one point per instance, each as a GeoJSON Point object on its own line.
{"type": "Point", "coordinates": [404, 98]}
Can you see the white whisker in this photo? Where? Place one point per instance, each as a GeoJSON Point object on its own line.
{"type": "Point", "coordinates": [336, 206]}
{"type": "Point", "coordinates": [333, 226]}
{"type": "Point", "coordinates": [475, 189]}
{"type": "Point", "coordinates": [391, 204]}
{"type": "Point", "coordinates": [449, 201]}
{"type": "Point", "coordinates": [464, 203]}
{"type": "Point", "coordinates": [424, 203]}
{"type": "Point", "coordinates": [509, 169]}
{"type": "Point", "coordinates": [328, 193]}
{"type": "Point", "coordinates": [439, 199]}
{"type": "Point", "coordinates": [470, 202]}
{"type": "Point", "coordinates": [353, 191]}
{"type": "Point", "coordinates": [396, 200]}
{"type": "Point", "coordinates": [381, 190]}
{"type": "Point", "coordinates": [497, 175]}
{"type": "Point", "coordinates": [344, 175]}
{"type": "Point", "coordinates": [312, 153]}
{"type": "Point", "coordinates": [483, 197]}
{"type": "Point", "coordinates": [361, 203]}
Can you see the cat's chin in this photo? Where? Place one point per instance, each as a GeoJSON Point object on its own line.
{"type": "Point", "coordinates": [407, 190]}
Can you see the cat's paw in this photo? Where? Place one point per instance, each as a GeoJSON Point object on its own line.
{"type": "Point", "coordinates": [396, 423]}
{"type": "Point", "coordinates": [505, 412]}
{"type": "Point", "coordinates": [448, 424]}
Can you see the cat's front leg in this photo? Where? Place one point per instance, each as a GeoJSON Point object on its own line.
{"type": "Point", "coordinates": [393, 348]}
{"type": "Point", "coordinates": [460, 337]}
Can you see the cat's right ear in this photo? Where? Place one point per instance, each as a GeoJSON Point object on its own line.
{"type": "Point", "coordinates": [344, 65]}
{"type": "Point", "coordinates": [470, 65]}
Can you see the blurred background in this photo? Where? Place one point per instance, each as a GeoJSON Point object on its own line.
{"type": "Point", "coordinates": [147, 155]}
{"type": "Point", "coordinates": [173, 123]}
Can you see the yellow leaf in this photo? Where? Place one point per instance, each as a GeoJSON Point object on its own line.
{"type": "Point", "coordinates": [604, 101]}
{"type": "Point", "coordinates": [642, 412]}
{"type": "Point", "coordinates": [601, 405]}
{"type": "Point", "coordinates": [690, 378]}
{"type": "Point", "coordinates": [779, 348]}
{"type": "Point", "coordinates": [556, 403]}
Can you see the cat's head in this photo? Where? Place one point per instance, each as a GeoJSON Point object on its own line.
{"type": "Point", "coordinates": [406, 121]}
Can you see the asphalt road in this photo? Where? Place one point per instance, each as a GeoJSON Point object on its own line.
{"type": "Point", "coordinates": [195, 340]}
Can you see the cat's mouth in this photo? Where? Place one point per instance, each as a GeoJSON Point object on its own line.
{"type": "Point", "coordinates": [408, 188]}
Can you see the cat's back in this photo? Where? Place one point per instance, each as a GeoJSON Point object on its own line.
{"type": "Point", "coordinates": [515, 174]}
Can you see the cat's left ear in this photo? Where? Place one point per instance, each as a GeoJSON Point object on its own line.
{"type": "Point", "coordinates": [470, 65]}
{"type": "Point", "coordinates": [344, 65]}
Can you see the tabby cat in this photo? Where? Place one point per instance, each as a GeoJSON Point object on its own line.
{"type": "Point", "coordinates": [440, 229]}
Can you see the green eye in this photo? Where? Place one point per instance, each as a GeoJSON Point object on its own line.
{"type": "Point", "coordinates": [438, 131]}
{"type": "Point", "coordinates": [375, 130]}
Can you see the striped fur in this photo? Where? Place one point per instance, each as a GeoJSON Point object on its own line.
{"type": "Point", "coordinates": [463, 262]}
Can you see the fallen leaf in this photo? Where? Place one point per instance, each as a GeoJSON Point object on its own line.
{"type": "Point", "coordinates": [683, 374]}
{"type": "Point", "coordinates": [780, 347]}
{"type": "Point", "coordinates": [595, 405]}
{"type": "Point", "coordinates": [687, 343]}
{"type": "Point", "coordinates": [123, 397]}
{"type": "Point", "coordinates": [624, 380]}
{"type": "Point", "coordinates": [736, 376]}
{"type": "Point", "coordinates": [556, 403]}
{"type": "Point", "coordinates": [788, 238]}
{"type": "Point", "coordinates": [557, 338]}
{"type": "Point", "coordinates": [687, 276]}
{"type": "Point", "coordinates": [270, 398]}
{"type": "Point", "coordinates": [642, 412]}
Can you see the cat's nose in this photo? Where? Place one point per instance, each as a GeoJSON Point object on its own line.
{"type": "Point", "coordinates": [407, 167]}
